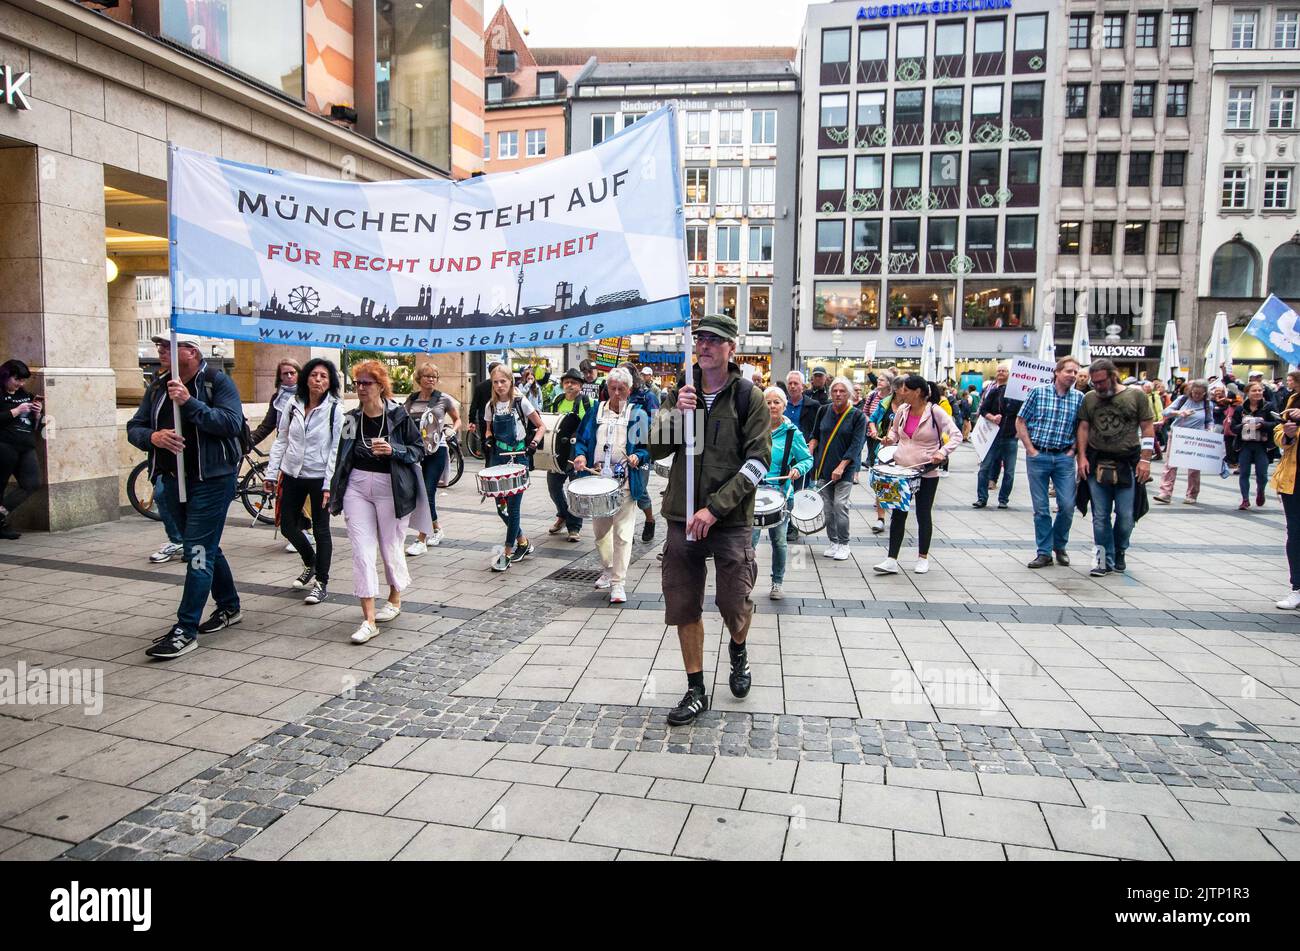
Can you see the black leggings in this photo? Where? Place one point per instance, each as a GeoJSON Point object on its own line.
{"type": "Point", "coordinates": [922, 503]}
{"type": "Point", "coordinates": [19, 462]}
{"type": "Point", "coordinates": [292, 494]}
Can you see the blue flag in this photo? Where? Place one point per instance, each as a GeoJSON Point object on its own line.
{"type": "Point", "coordinates": [1278, 326]}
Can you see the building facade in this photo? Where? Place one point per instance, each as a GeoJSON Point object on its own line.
{"type": "Point", "coordinates": [738, 128]}
{"type": "Point", "coordinates": [922, 191]}
{"type": "Point", "coordinates": [93, 99]}
{"type": "Point", "coordinates": [1250, 240]}
{"type": "Point", "coordinates": [1131, 98]}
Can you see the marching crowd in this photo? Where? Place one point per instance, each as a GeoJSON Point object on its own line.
{"type": "Point", "coordinates": [802, 445]}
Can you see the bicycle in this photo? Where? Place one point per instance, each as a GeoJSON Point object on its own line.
{"type": "Point", "coordinates": [455, 460]}
{"type": "Point", "coordinates": [139, 489]}
{"type": "Point", "coordinates": [473, 444]}
{"type": "Point", "coordinates": [252, 491]}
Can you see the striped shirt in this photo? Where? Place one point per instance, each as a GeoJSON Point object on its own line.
{"type": "Point", "coordinates": [1050, 417]}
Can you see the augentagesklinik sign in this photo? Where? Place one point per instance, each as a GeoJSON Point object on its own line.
{"type": "Point", "coordinates": [885, 11]}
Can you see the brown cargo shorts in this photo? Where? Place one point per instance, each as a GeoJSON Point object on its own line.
{"type": "Point", "coordinates": [685, 571]}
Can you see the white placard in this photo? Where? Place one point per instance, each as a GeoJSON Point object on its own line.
{"type": "Point", "coordinates": [982, 435]}
{"type": "Point", "coordinates": [869, 352]}
{"type": "Point", "coordinates": [1195, 449]}
{"type": "Point", "coordinates": [1027, 373]}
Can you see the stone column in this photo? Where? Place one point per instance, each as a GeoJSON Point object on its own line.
{"type": "Point", "coordinates": [54, 316]}
{"type": "Point", "coordinates": [123, 341]}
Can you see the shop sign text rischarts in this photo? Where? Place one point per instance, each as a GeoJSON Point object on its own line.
{"type": "Point", "coordinates": [885, 11]}
{"type": "Point", "coordinates": [13, 88]}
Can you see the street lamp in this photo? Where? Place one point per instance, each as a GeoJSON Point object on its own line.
{"type": "Point", "coordinates": [837, 341]}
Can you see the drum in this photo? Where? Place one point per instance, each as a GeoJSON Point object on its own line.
{"type": "Point", "coordinates": [503, 481]}
{"type": "Point", "coordinates": [595, 496]}
{"type": "Point", "coordinates": [545, 457]}
{"type": "Point", "coordinates": [809, 512]}
{"type": "Point", "coordinates": [894, 485]}
{"type": "Point", "coordinates": [769, 507]}
{"type": "Point", "coordinates": [664, 466]}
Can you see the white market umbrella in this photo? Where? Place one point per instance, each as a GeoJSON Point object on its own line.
{"type": "Point", "coordinates": [1170, 359]}
{"type": "Point", "coordinates": [1218, 353]}
{"type": "Point", "coordinates": [1079, 346]}
{"type": "Point", "coordinates": [1047, 341]}
{"type": "Point", "coordinates": [947, 350]}
{"type": "Point", "coordinates": [929, 355]}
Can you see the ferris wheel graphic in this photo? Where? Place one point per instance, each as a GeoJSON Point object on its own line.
{"type": "Point", "coordinates": [303, 299]}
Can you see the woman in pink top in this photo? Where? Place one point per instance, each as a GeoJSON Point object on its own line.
{"type": "Point", "coordinates": [918, 431]}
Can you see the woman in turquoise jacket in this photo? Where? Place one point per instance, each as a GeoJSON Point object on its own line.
{"type": "Point", "coordinates": [791, 460]}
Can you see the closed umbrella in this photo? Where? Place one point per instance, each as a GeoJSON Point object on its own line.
{"type": "Point", "coordinates": [1047, 341]}
{"type": "Point", "coordinates": [929, 355]}
{"type": "Point", "coordinates": [1170, 359]}
{"type": "Point", "coordinates": [1218, 351]}
{"type": "Point", "coordinates": [1081, 348]}
{"type": "Point", "coordinates": [947, 351]}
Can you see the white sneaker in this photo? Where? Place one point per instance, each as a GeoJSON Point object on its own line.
{"type": "Point", "coordinates": [922, 566]}
{"type": "Point", "coordinates": [605, 580]}
{"type": "Point", "coordinates": [167, 553]}
{"type": "Point", "coordinates": [387, 612]}
{"type": "Point", "coordinates": [364, 633]}
{"type": "Point", "coordinates": [416, 548]}
{"type": "Point", "coordinates": [1290, 602]}
{"type": "Point", "coordinates": [879, 526]}
{"type": "Point", "coordinates": [887, 567]}
{"type": "Point", "coordinates": [435, 539]}
{"type": "Point", "coordinates": [841, 553]}
{"type": "Point", "coordinates": [617, 594]}
{"type": "Point", "coordinates": [289, 548]}
{"type": "Point", "coordinates": [830, 552]}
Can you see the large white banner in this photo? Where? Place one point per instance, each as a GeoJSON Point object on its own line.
{"type": "Point", "coordinates": [585, 246]}
{"type": "Point", "coordinates": [1195, 449]}
{"type": "Point", "coordinates": [1027, 373]}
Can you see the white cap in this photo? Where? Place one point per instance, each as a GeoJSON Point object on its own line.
{"type": "Point", "coordinates": [646, 371]}
{"type": "Point", "coordinates": [182, 340]}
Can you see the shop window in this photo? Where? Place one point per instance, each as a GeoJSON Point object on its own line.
{"type": "Point", "coordinates": [846, 305]}
{"type": "Point", "coordinates": [917, 306]}
{"type": "Point", "coordinates": [760, 307]}
{"type": "Point", "coordinates": [997, 305]}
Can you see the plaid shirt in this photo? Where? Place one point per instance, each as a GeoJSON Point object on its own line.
{"type": "Point", "coordinates": [1051, 418]}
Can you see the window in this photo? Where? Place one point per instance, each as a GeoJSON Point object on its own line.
{"type": "Point", "coordinates": [985, 101]}
{"type": "Point", "coordinates": [847, 304]}
{"type": "Point", "coordinates": [1027, 101]}
{"type": "Point", "coordinates": [1022, 167]}
{"type": "Point", "coordinates": [1169, 239]}
{"type": "Point", "coordinates": [1021, 232]}
{"type": "Point", "coordinates": [412, 57]}
{"type": "Point", "coordinates": [945, 169]}
{"type": "Point", "coordinates": [698, 306]}
{"type": "Point", "coordinates": [546, 85]}
{"type": "Point", "coordinates": [1076, 100]}
{"type": "Point", "coordinates": [868, 172]}
{"type": "Point", "coordinates": [1112, 100]}
{"type": "Point", "coordinates": [942, 235]}
{"type": "Point", "coordinates": [1072, 166]}
{"type": "Point", "coordinates": [1180, 29]}
{"type": "Point", "coordinates": [1244, 24]}
{"type": "Point", "coordinates": [981, 234]}
{"type": "Point", "coordinates": [1286, 30]}
{"type": "Point", "coordinates": [1277, 189]}
{"type": "Point", "coordinates": [602, 127]}
{"type": "Point", "coordinates": [947, 104]}
{"type": "Point", "coordinates": [1241, 107]}
{"type": "Point", "coordinates": [697, 243]}
{"type": "Point", "coordinates": [998, 304]}
{"type": "Point", "coordinates": [1031, 33]}
{"type": "Point", "coordinates": [496, 90]}
{"type": "Point", "coordinates": [1067, 237]}
{"type": "Point", "coordinates": [1106, 170]}
{"type": "Point", "coordinates": [918, 305]}
{"type": "Point", "coordinates": [910, 42]}
{"type": "Point", "coordinates": [697, 186]}
{"type": "Point", "coordinates": [760, 243]}
{"type": "Point", "coordinates": [507, 61]}
{"type": "Point", "coordinates": [697, 127]}
{"type": "Point", "coordinates": [728, 248]}
{"type": "Point", "coordinates": [1139, 169]}
{"type": "Point", "coordinates": [830, 174]}
{"type": "Point", "coordinates": [1176, 100]}
{"type": "Point", "coordinates": [1174, 171]}
{"type": "Point", "coordinates": [871, 108]}
{"type": "Point", "coordinates": [835, 47]}
{"type": "Point", "coordinates": [1080, 31]}
{"type": "Point", "coordinates": [762, 185]}
{"type": "Point", "coordinates": [487, 146]}
{"type": "Point", "coordinates": [835, 111]}
{"type": "Point", "coordinates": [1233, 271]}
{"type": "Point", "coordinates": [1103, 238]}
{"type": "Point", "coordinates": [507, 145]}
{"type": "Point", "coordinates": [1146, 33]}
{"type": "Point", "coordinates": [1281, 108]}
{"type": "Point", "coordinates": [730, 186]}
{"type": "Point", "coordinates": [1112, 31]}
{"type": "Point", "coordinates": [866, 236]}
{"type": "Point", "coordinates": [1236, 187]}
{"type": "Point", "coordinates": [873, 45]}
{"type": "Point", "coordinates": [632, 118]}
{"type": "Point", "coordinates": [1284, 271]}
{"type": "Point", "coordinates": [727, 294]}
{"type": "Point", "coordinates": [907, 171]}
{"type": "Point", "coordinates": [535, 142]}
{"type": "Point", "coordinates": [763, 127]}
{"type": "Point", "coordinates": [264, 40]}
{"type": "Point", "coordinates": [1135, 237]}
{"type": "Point", "coordinates": [904, 235]}
{"type": "Point", "coordinates": [731, 126]}
{"type": "Point", "coordinates": [990, 36]}
{"type": "Point", "coordinates": [760, 300]}
{"type": "Point", "coordinates": [985, 170]}
{"type": "Point", "coordinates": [909, 107]}
{"type": "Point", "coordinates": [1144, 100]}
{"type": "Point", "coordinates": [830, 237]}
{"type": "Point", "coordinates": [950, 39]}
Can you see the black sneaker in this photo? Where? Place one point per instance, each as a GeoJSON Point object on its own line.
{"type": "Point", "coordinates": [978, 505]}
{"type": "Point", "coordinates": [173, 644]}
{"type": "Point", "coordinates": [1120, 565]}
{"type": "Point", "coordinates": [7, 530]}
{"type": "Point", "coordinates": [304, 579]}
{"type": "Point", "coordinates": [1042, 561]}
{"type": "Point", "coordinates": [648, 533]}
{"type": "Point", "coordinates": [1099, 572]}
{"type": "Point", "coordinates": [692, 704]}
{"type": "Point", "coordinates": [318, 594]}
{"type": "Point", "coordinates": [522, 551]}
{"type": "Point", "coordinates": [219, 620]}
{"type": "Point", "coordinates": [741, 679]}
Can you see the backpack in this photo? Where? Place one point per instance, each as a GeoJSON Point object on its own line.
{"type": "Point", "coordinates": [566, 429]}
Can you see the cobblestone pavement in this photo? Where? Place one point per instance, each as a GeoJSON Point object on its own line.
{"type": "Point", "coordinates": [980, 711]}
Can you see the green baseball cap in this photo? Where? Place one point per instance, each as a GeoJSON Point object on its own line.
{"type": "Point", "coordinates": [718, 325]}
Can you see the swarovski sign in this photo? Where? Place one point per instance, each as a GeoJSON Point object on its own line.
{"type": "Point", "coordinates": [1132, 351]}
{"type": "Point", "coordinates": [13, 88]}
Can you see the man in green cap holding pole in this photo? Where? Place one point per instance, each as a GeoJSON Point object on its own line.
{"type": "Point", "coordinates": [732, 450]}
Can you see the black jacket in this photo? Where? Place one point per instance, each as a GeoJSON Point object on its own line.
{"type": "Point", "coordinates": [808, 411]}
{"type": "Point", "coordinates": [995, 403]}
{"type": "Point", "coordinates": [216, 413]}
{"type": "Point", "coordinates": [408, 450]}
{"type": "Point", "coordinates": [479, 400]}
{"type": "Point", "coordinates": [1270, 419]}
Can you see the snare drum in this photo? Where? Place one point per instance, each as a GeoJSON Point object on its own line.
{"type": "Point", "coordinates": [664, 466]}
{"type": "Point", "coordinates": [894, 485]}
{"type": "Point", "coordinates": [595, 496]}
{"type": "Point", "coordinates": [769, 507]}
{"type": "Point", "coordinates": [503, 481]}
{"type": "Point", "coordinates": [809, 511]}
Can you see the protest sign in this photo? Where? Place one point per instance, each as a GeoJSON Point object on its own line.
{"type": "Point", "coordinates": [1027, 373]}
{"type": "Point", "coordinates": [982, 435]}
{"type": "Point", "coordinates": [1195, 449]}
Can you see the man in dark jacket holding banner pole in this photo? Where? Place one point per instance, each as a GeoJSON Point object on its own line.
{"type": "Point", "coordinates": [732, 450]}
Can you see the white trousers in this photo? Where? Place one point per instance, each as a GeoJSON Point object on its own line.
{"type": "Point", "coordinates": [614, 540]}
{"type": "Point", "coordinates": [373, 523]}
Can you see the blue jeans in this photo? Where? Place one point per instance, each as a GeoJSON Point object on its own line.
{"type": "Point", "coordinates": [1002, 451]}
{"type": "Point", "coordinates": [164, 499]}
{"type": "Point", "coordinates": [1108, 499]}
{"type": "Point", "coordinates": [1042, 469]}
{"type": "Point", "coordinates": [508, 508]}
{"type": "Point", "coordinates": [1253, 454]}
{"type": "Point", "coordinates": [555, 482]}
{"type": "Point", "coordinates": [433, 467]}
{"type": "Point", "coordinates": [775, 533]}
{"type": "Point", "coordinates": [202, 520]}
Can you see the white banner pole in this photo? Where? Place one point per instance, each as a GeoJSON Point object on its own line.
{"type": "Point", "coordinates": [688, 429]}
{"type": "Point", "coordinates": [176, 418]}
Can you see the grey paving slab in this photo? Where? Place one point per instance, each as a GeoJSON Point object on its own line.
{"type": "Point", "coordinates": [891, 807]}
{"type": "Point", "coordinates": [1187, 840]}
{"type": "Point", "coordinates": [439, 843]}
{"type": "Point", "coordinates": [355, 836]}
{"type": "Point", "coordinates": [1099, 831]}
{"type": "Point", "coordinates": [812, 840]}
{"type": "Point", "coordinates": [374, 789]}
{"type": "Point", "coordinates": [280, 838]}
{"type": "Point", "coordinates": [727, 834]}
{"type": "Point", "coordinates": [994, 820]}
{"type": "Point", "coordinates": [539, 811]}
{"type": "Point", "coordinates": [628, 823]}
{"type": "Point", "coordinates": [919, 847]}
